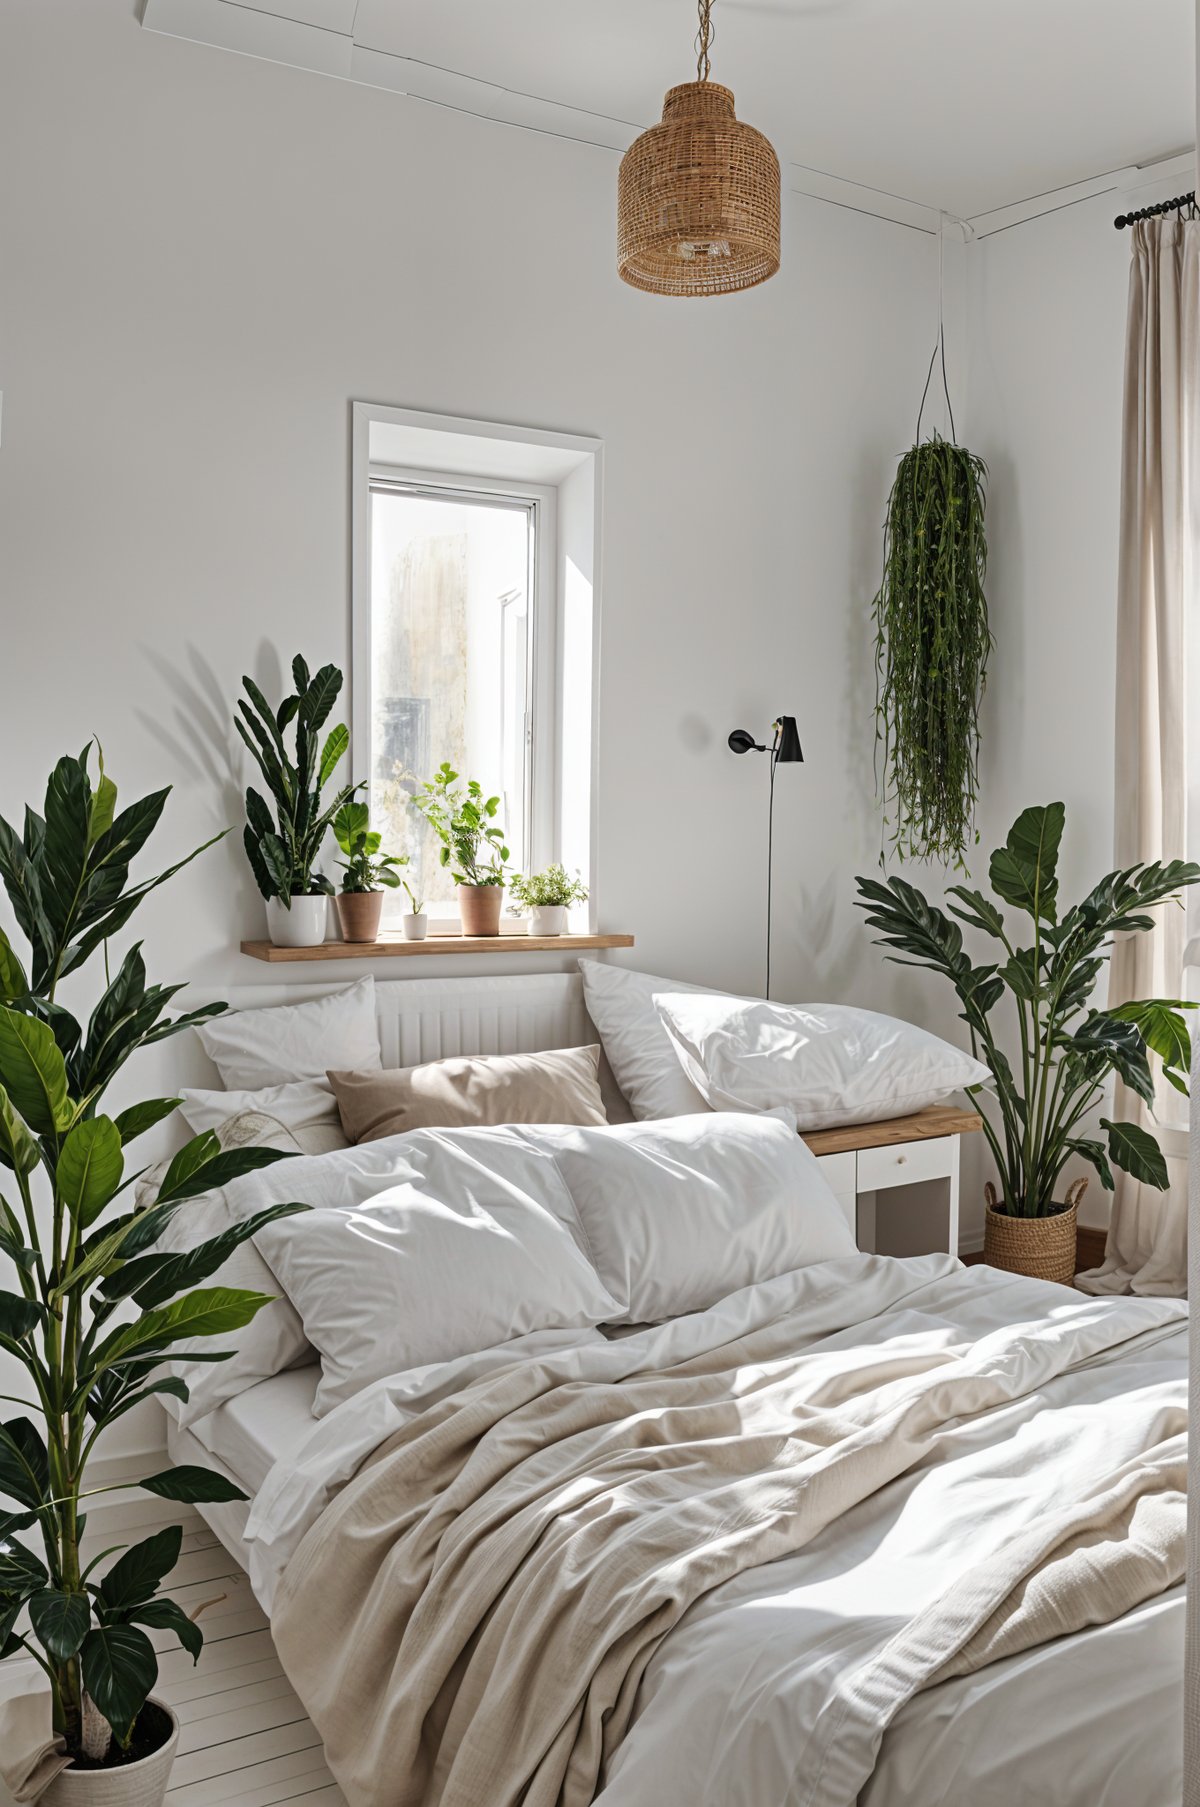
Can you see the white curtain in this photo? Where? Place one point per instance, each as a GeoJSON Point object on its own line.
{"type": "Point", "coordinates": [1159, 560]}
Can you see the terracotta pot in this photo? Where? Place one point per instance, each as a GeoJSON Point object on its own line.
{"type": "Point", "coordinates": [359, 913]}
{"type": "Point", "coordinates": [479, 908]}
{"type": "Point", "coordinates": [142, 1784]}
{"type": "Point", "coordinates": [548, 919]}
{"type": "Point", "coordinates": [301, 926]}
{"type": "Point", "coordinates": [1042, 1248]}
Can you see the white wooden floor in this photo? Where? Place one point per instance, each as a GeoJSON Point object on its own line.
{"type": "Point", "coordinates": [245, 1740]}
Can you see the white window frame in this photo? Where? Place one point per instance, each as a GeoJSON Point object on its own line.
{"type": "Point", "coordinates": [460, 444]}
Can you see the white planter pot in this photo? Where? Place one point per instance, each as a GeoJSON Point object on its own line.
{"type": "Point", "coordinates": [548, 919]}
{"type": "Point", "coordinates": [301, 926]}
{"type": "Point", "coordinates": [141, 1784]}
{"type": "Point", "coordinates": [415, 927]}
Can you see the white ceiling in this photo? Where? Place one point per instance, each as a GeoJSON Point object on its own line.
{"type": "Point", "coordinates": [957, 104]}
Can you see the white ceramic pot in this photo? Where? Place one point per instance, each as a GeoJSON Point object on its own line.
{"type": "Point", "coordinates": [548, 919]}
{"type": "Point", "coordinates": [415, 927]}
{"type": "Point", "coordinates": [301, 926]}
{"type": "Point", "coordinates": [141, 1784]}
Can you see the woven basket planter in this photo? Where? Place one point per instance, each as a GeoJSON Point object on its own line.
{"type": "Point", "coordinates": [1041, 1248]}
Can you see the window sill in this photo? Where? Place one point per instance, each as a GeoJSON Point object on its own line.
{"type": "Point", "coordinates": [392, 947]}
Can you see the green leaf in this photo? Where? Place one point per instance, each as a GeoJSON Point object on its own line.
{"type": "Point", "coordinates": [24, 1465]}
{"type": "Point", "coordinates": [18, 1316]}
{"type": "Point", "coordinates": [33, 1072]}
{"type": "Point", "coordinates": [1021, 974]}
{"type": "Point", "coordinates": [300, 674]}
{"type": "Point", "coordinates": [18, 1149]}
{"type": "Point", "coordinates": [21, 1572]}
{"type": "Point", "coordinates": [184, 1180]}
{"type": "Point", "coordinates": [164, 1615]}
{"type": "Point", "coordinates": [1163, 1029]}
{"type": "Point", "coordinates": [351, 821]}
{"type": "Point", "coordinates": [139, 1118]}
{"type": "Point", "coordinates": [319, 698]}
{"type": "Point", "coordinates": [194, 1486]}
{"type": "Point", "coordinates": [134, 1577]}
{"type": "Point", "coordinates": [13, 982]}
{"type": "Point", "coordinates": [119, 1670]}
{"type": "Point", "coordinates": [1135, 1151]}
{"type": "Point", "coordinates": [153, 1279]}
{"type": "Point", "coordinates": [60, 1622]}
{"type": "Point", "coordinates": [336, 743]}
{"type": "Point", "coordinates": [1121, 1046]}
{"type": "Point", "coordinates": [978, 911]}
{"type": "Point", "coordinates": [104, 808]}
{"type": "Point", "coordinates": [1024, 871]}
{"type": "Point", "coordinates": [65, 848]}
{"type": "Point", "coordinates": [212, 1311]}
{"type": "Point", "coordinates": [1094, 1152]}
{"type": "Point", "coordinates": [89, 1170]}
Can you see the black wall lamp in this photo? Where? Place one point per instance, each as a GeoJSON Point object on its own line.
{"type": "Point", "coordinates": [785, 749]}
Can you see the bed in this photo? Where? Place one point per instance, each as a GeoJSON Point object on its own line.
{"type": "Point", "coordinates": [733, 1704]}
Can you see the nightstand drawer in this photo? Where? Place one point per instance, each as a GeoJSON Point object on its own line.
{"type": "Point", "coordinates": [905, 1163]}
{"type": "Point", "coordinates": [840, 1172]}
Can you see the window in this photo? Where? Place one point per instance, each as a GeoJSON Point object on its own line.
{"type": "Point", "coordinates": [474, 630]}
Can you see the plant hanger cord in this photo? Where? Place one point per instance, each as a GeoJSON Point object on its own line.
{"type": "Point", "coordinates": [940, 342]}
{"type": "Point", "coordinates": [705, 39]}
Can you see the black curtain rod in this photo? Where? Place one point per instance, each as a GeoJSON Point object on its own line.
{"type": "Point", "coordinates": [1149, 213]}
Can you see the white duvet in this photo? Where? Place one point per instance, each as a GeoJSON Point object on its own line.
{"type": "Point", "coordinates": [737, 1700]}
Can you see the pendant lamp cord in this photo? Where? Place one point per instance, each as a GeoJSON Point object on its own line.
{"type": "Point", "coordinates": [939, 343]}
{"type": "Point", "coordinates": [770, 849]}
{"type": "Point", "coordinates": [704, 40]}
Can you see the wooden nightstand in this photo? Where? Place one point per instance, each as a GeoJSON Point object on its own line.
{"type": "Point", "coordinates": [870, 1168]}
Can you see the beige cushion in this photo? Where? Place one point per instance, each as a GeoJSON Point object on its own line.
{"type": "Point", "coordinates": [472, 1091]}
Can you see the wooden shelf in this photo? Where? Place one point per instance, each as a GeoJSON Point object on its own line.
{"type": "Point", "coordinates": [938, 1120]}
{"type": "Point", "coordinates": [394, 947]}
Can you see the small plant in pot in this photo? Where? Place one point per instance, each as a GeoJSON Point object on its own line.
{"type": "Point", "coordinates": [414, 922]}
{"type": "Point", "coordinates": [365, 870]}
{"type": "Point", "coordinates": [93, 1310]}
{"type": "Point", "coordinates": [1067, 1049]}
{"type": "Point", "coordinates": [548, 896]}
{"type": "Point", "coordinates": [283, 848]}
{"type": "Point", "coordinates": [472, 846]}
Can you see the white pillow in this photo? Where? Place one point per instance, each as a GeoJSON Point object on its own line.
{"type": "Point", "coordinates": [828, 1063]}
{"type": "Point", "coordinates": [422, 1248]}
{"type": "Point", "coordinates": [256, 1048]}
{"type": "Point", "coordinates": [306, 1108]}
{"type": "Point", "coordinates": [639, 1050]}
{"type": "Point", "coordinates": [680, 1213]}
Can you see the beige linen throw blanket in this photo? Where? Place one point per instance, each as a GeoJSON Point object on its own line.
{"type": "Point", "coordinates": [469, 1620]}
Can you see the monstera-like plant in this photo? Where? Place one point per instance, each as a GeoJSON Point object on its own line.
{"type": "Point", "coordinates": [93, 1309]}
{"type": "Point", "coordinates": [1046, 973]}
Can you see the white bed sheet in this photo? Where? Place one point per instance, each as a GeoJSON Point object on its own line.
{"type": "Point", "coordinates": [262, 1426]}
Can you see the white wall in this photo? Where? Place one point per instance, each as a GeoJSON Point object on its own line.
{"type": "Point", "coordinates": [206, 257]}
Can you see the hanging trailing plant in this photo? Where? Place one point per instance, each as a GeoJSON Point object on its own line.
{"type": "Point", "coordinates": [932, 642]}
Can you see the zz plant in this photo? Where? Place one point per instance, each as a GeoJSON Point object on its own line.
{"type": "Point", "coordinates": [94, 1309]}
{"type": "Point", "coordinates": [283, 848]}
{"type": "Point", "coordinates": [1067, 1047]}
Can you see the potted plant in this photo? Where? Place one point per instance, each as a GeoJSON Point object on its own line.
{"type": "Point", "coordinates": [472, 846]}
{"type": "Point", "coordinates": [365, 870]}
{"type": "Point", "coordinates": [93, 1310]}
{"type": "Point", "coordinates": [283, 848]}
{"type": "Point", "coordinates": [548, 896]}
{"type": "Point", "coordinates": [415, 923]}
{"type": "Point", "coordinates": [1067, 1048]}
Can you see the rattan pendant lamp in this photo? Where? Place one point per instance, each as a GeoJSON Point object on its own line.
{"type": "Point", "coordinates": [698, 195]}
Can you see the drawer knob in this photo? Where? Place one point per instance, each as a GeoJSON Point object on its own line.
{"type": "Point", "coordinates": [900, 1159]}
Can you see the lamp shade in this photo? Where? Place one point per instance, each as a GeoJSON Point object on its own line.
{"type": "Point", "coordinates": [789, 750]}
{"type": "Point", "coordinates": [698, 199]}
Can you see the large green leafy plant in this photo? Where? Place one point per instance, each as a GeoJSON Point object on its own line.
{"type": "Point", "coordinates": [94, 1309]}
{"type": "Point", "coordinates": [472, 841]}
{"type": "Point", "coordinates": [364, 867]}
{"type": "Point", "coordinates": [1067, 1048]}
{"type": "Point", "coordinates": [283, 848]}
{"type": "Point", "coordinates": [932, 642]}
